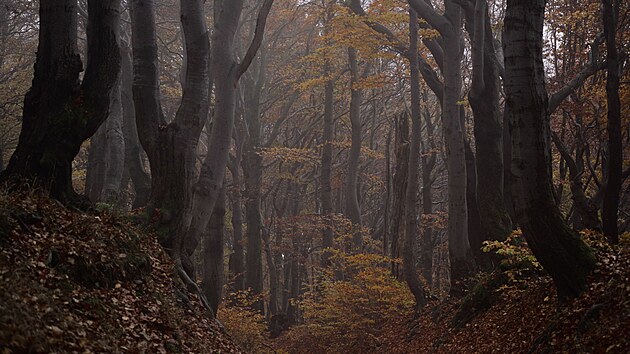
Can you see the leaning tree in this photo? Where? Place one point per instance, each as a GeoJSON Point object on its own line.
{"type": "Point", "coordinates": [558, 248]}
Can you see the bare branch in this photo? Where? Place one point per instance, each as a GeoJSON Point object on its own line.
{"type": "Point", "coordinates": [259, 33]}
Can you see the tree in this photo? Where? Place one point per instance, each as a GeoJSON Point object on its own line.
{"type": "Point", "coordinates": [171, 147]}
{"type": "Point", "coordinates": [60, 111]}
{"type": "Point", "coordinates": [559, 250]}
{"type": "Point", "coordinates": [614, 163]}
{"type": "Point", "coordinates": [352, 209]}
{"type": "Point", "coordinates": [411, 197]}
{"type": "Point", "coordinates": [449, 27]}
{"type": "Point", "coordinates": [488, 124]}
{"type": "Point", "coordinates": [226, 72]}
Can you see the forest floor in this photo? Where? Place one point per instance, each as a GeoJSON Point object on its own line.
{"type": "Point", "coordinates": [524, 317]}
{"type": "Point", "coordinates": [528, 319]}
{"type": "Point", "coordinates": [91, 282]}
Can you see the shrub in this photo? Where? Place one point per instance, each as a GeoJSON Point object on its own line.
{"type": "Point", "coordinates": [348, 315]}
{"type": "Point", "coordinates": [245, 325]}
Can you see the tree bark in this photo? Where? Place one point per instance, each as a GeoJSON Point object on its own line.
{"type": "Point", "coordinates": [397, 228]}
{"type": "Point", "coordinates": [252, 173]}
{"type": "Point", "coordinates": [614, 162]}
{"type": "Point", "coordinates": [115, 149]}
{"type": "Point", "coordinates": [488, 127]}
{"type": "Point", "coordinates": [449, 27]}
{"type": "Point", "coordinates": [326, 172]}
{"type": "Point", "coordinates": [226, 73]}
{"type": "Point", "coordinates": [428, 160]}
{"type": "Point", "coordinates": [59, 111]}
{"type": "Point", "coordinates": [411, 197]}
{"type": "Point", "coordinates": [559, 250]}
{"type": "Point", "coordinates": [213, 273]}
{"type": "Point", "coordinates": [237, 260]}
{"type": "Point", "coordinates": [134, 164]}
{"type": "Point", "coordinates": [171, 148]}
{"type": "Point", "coordinates": [352, 209]}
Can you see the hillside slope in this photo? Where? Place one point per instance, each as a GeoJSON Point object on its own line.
{"type": "Point", "coordinates": [526, 318]}
{"type": "Point", "coordinates": [77, 282]}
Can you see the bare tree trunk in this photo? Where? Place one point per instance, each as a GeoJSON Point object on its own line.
{"type": "Point", "coordinates": [59, 111]}
{"type": "Point", "coordinates": [449, 27]}
{"type": "Point", "coordinates": [115, 149]}
{"type": "Point", "coordinates": [96, 165]}
{"type": "Point", "coordinates": [411, 197]}
{"type": "Point", "coordinates": [428, 159]}
{"type": "Point", "coordinates": [133, 151]}
{"type": "Point", "coordinates": [237, 260]}
{"type": "Point", "coordinates": [326, 172]}
{"type": "Point", "coordinates": [388, 193]}
{"type": "Point", "coordinates": [475, 234]}
{"type": "Point", "coordinates": [397, 229]}
{"type": "Point", "coordinates": [226, 73]}
{"type": "Point", "coordinates": [560, 250]}
{"type": "Point", "coordinates": [614, 163]}
{"type": "Point", "coordinates": [488, 127]}
{"type": "Point", "coordinates": [353, 211]}
{"type": "Point", "coordinates": [171, 148]}
{"type": "Point", "coordinates": [252, 173]}
{"type": "Point", "coordinates": [273, 276]}
{"type": "Point", "coordinates": [213, 272]}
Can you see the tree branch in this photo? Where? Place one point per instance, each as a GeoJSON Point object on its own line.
{"type": "Point", "coordinates": [429, 14]}
{"type": "Point", "coordinates": [259, 33]}
{"type": "Point", "coordinates": [589, 69]}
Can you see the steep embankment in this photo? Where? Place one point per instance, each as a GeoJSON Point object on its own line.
{"type": "Point", "coordinates": [76, 282]}
{"type": "Point", "coordinates": [525, 317]}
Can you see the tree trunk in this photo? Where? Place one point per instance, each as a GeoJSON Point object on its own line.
{"type": "Point", "coordinates": [226, 73]}
{"type": "Point", "coordinates": [459, 246]}
{"type": "Point", "coordinates": [449, 27]}
{"type": "Point", "coordinates": [213, 272]}
{"type": "Point", "coordinates": [411, 197]}
{"type": "Point", "coordinates": [614, 162]}
{"type": "Point", "coordinates": [352, 209]}
{"type": "Point", "coordinates": [475, 233]}
{"type": "Point", "coordinates": [237, 260]}
{"type": "Point", "coordinates": [59, 111]}
{"type": "Point", "coordinates": [273, 276]}
{"type": "Point", "coordinates": [134, 165]}
{"type": "Point", "coordinates": [171, 148]}
{"type": "Point", "coordinates": [115, 149]}
{"type": "Point", "coordinates": [326, 172]}
{"type": "Point", "coordinates": [252, 173]}
{"type": "Point", "coordinates": [96, 165]}
{"type": "Point", "coordinates": [559, 250]}
{"type": "Point", "coordinates": [488, 128]}
{"type": "Point", "coordinates": [428, 163]}
{"type": "Point", "coordinates": [397, 229]}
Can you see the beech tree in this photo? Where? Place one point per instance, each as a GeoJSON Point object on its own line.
{"type": "Point", "coordinates": [171, 147]}
{"type": "Point", "coordinates": [614, 162]}
{"type": "Point", "coordinates": [559, 249]}
{"type": "Point", "coordinates": [60, 110]}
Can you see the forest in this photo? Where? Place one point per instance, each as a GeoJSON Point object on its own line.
{"type": "Point", "coordinates": [314, 176]}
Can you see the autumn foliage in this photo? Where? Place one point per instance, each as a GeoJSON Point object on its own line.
{"type": "Point", "coordinates": [349, 314]}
